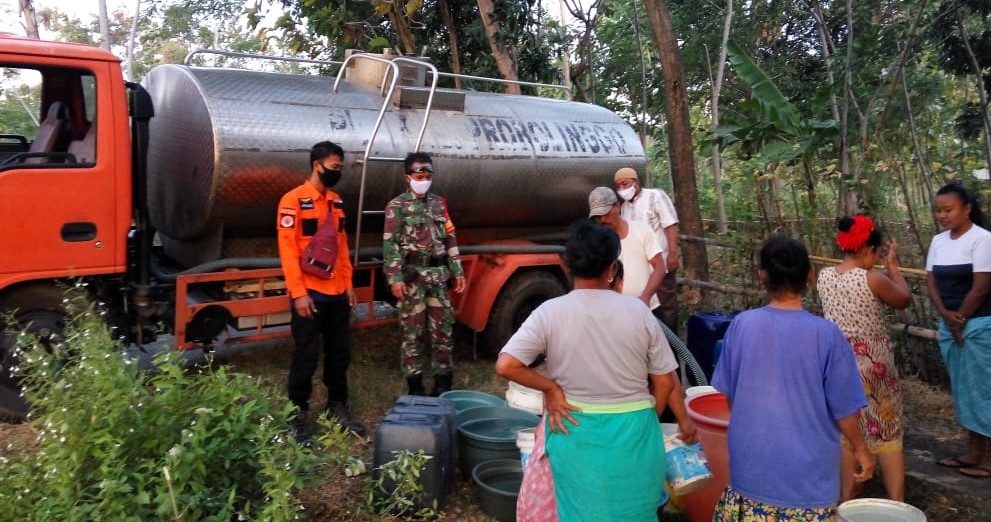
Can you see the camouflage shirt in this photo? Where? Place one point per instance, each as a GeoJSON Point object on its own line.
{"type": "Point", "coordinates": [418, 243]}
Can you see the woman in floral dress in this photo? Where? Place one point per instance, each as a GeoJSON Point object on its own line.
{"type": "Point", "coordinates": [853, 296]}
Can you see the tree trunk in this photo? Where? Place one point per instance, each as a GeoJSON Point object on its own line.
{"type": "Point", "coordinates": [981, 92]}
{"type": "Point", "coordinates": [643, 78]}
{"type": "Point", "coordinates": [400, 23]}
{"type": "Point", "coordinates": [504, 56]}
{"type": "Point", "coordinates": [30, 19]}
{"type": "Point", "coordinates": [913, 220]}
{"type": "Point", "coordinates": [848, 195]}
{"type": "Point", "coordinates": [682, 156]}
{"type": "Point", "coordinates": [452, 37]}
{"type": "Point", "coordinates": [717, 86]}
{"type": "Point", "coordinates": [104, 26]}
{"type": "Point", "coordinates": [566, 57]}
{"type": "Point", "coordinates": [920, 157]}
{"type": "Point", "coordinates": [576, 72]}
{"type": "Point", "coordinates": [583, 49]}
{"type": "Point", "coordinates": [131, 37]}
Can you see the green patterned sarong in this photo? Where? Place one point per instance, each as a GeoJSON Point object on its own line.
{"type": "Point", "coordinates": [611, 466]}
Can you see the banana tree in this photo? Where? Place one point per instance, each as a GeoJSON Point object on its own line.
{"type": "Point", "coordinates": [770, 127]}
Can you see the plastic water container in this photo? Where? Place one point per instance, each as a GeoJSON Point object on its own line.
{"type": "Point", "coordinates": [525, 440]}
{"type": "Point", "coordinates": [704, 329]}
{"type": "Point", "coordinates": [687, 470]}
{"type": "Point", "coordinates": [524, 398]}
{"type": "Point", "coordinates": [710, 412]}
{"type": "Point", "coordinates": [879, 510]}
{"type": "Point", "coordinates": [418, 432]}
{"type": "Point", "coordinates": [438, 407]}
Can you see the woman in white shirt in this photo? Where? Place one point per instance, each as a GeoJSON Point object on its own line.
{"type": "Point", "coordinates": [959, 282]}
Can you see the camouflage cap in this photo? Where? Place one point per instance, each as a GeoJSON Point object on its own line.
{"type": "Point", "coordinates": [601, 200]}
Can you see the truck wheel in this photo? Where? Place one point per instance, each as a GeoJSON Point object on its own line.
{"type": "Point", "coordinates": [521, 296]}
{"type": "Point", "coordinates": [39, 311]}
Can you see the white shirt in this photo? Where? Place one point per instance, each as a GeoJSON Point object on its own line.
{"type": "Point", "coordinates": [953, 263]}
{"type": "Point", "coordinates": [971, 248]}
{"type": "Point", "coordinates": [654, 207]}
{"type": "Point", "coordinates": [636, 250]}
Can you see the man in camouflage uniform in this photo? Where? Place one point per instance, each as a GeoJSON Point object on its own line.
{"type": "Point", "coordinates": [421, 256]}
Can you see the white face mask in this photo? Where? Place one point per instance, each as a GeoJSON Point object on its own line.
{"type": "Point", "coordinates": [627, 193]}
{"type": "Point", "coordinates": [420, 187]}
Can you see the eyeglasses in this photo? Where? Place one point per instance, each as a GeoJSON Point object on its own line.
{"type": "Point", "coordinates": [421, 169]}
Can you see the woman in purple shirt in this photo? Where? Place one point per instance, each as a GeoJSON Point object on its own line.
{"type": "Point", "coordinates": [793, 386]}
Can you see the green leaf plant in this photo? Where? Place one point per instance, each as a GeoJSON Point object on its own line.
{"type": "Point", "coordinates": [115, 443]}
{"type": "Point", "coordinates": [768, 124]}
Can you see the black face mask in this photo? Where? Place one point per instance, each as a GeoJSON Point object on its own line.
{"type": "Point", "coordinates": [329, 178]}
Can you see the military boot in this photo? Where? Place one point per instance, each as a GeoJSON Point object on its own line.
{"type": "Point", "coordinates": [341, 412]}
{"type": "Point", "coordinates": [415, 384]}
{"type": "Point", "coordinates": [442, 383]}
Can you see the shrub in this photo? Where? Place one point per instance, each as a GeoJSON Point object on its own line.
{"type": "Point", "coordinates": [396, 489]}
{"type": "Point", "coordinates": [119, 444]}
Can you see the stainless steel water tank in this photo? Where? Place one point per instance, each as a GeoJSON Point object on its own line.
{"type": "Point", "coordinates": [226, 144]}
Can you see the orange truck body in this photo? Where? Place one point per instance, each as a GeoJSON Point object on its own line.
{"type": "Point", "coordinates": [65, 221]}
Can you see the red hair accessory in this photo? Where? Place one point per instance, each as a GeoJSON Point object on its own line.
{"type": "Point", "coordinates": [855, 238]}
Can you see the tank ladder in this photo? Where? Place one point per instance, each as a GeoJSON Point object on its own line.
{"type": "Point", "coordinates": [392, 70]}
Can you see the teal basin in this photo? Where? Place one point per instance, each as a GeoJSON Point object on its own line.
{"type": "Point", "coordinates": [467, 399]}
{"type": "Point", "coordinates": [489, 433]}
{"type": "Point", "coordinates": [498, 483]}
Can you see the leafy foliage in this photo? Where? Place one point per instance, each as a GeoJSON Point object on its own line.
{"type": "Point", "coordinates": [20, 100]}
{"type": "Point", "coordinates": [773, 125]}
{"type": "Point", "coordinates": [396, 488]}
{"type": "Point", "coordinates": [116, 444]}
{"type": "Point", "coordinates": [328, 29]}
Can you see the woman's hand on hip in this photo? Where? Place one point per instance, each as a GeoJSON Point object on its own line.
{"type": "Point", "coordinates": [557, 409]}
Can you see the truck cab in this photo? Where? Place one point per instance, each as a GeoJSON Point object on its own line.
{"type": "Point", "coordinates": [65, 188]}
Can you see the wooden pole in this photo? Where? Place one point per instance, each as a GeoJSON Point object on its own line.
{"type": "Point", "coordinates": [914, 272]}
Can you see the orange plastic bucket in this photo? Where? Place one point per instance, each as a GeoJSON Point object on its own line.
{"type": "Point", "coordinates": [710, 412]}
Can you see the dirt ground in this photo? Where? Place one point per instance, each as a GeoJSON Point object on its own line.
{"type": "Point", "coordinates": [932, 433]}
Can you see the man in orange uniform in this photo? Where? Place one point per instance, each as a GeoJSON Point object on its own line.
{"type": "Point", "coordinates": [320, 307]}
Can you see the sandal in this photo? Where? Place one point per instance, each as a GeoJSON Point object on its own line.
{"type": "Point", "coordinates": [955, 462]}
{"type": "Point", "coordinates": [978, 472]}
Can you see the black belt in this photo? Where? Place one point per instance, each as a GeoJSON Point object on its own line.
{"type": "Point", "coordinates": [425, 260]}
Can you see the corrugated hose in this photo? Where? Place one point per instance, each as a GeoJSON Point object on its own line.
{"type": "Point", "coordinates": [685, 357]}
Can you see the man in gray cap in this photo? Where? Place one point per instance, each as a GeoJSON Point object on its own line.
{"type": "Point", "coordinates": [654, 207]}
{"type": "Point", "coordinates": [641, 255]}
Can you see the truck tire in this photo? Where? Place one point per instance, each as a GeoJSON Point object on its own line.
{"type": "Point", "coordinates": [522, 294]}
{"type": "Point", "coordinates": [37, 309]}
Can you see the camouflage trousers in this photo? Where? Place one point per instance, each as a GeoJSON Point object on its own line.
{"type": "Point", "coordinates": [426, 318]}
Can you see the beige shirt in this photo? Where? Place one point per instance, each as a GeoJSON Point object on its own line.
{"type": "Point", "coordinates": [654, 207]}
